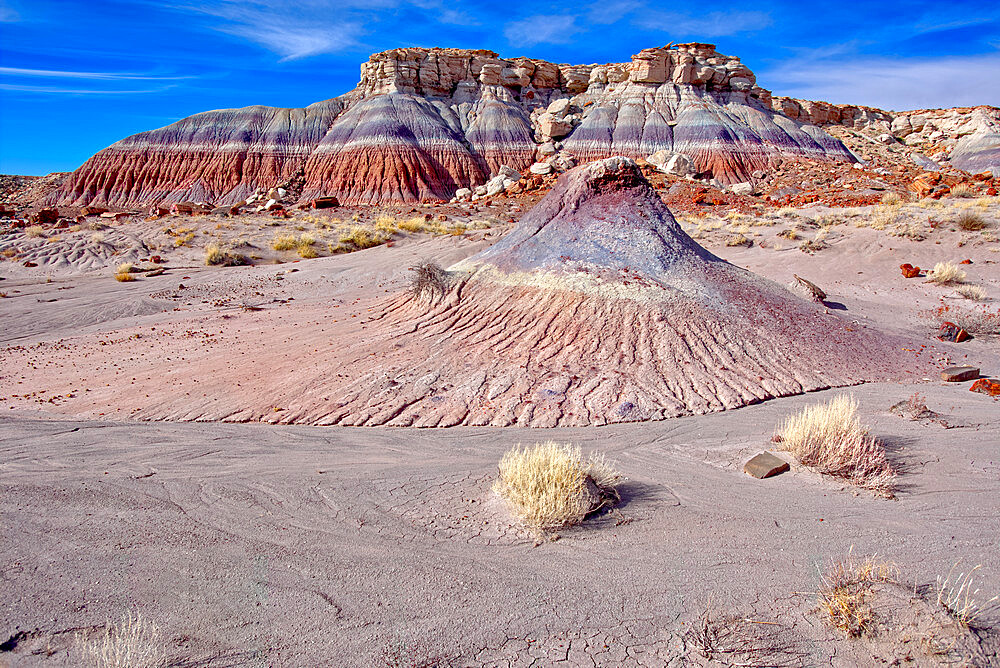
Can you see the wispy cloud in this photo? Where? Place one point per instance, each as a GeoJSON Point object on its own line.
{"type": "Point", "coordinates": [7, 14]}
{"type": "Point", "coordinates": [606, 13]}
{"type": "Point", "coordinates": [712, 24]}
{"type": "Point", "coordinates": [101, 76]}
{"type": "Point", "coordinates": [77, 91]}
{"type": "Point", "coordinates": [891, 83]}
{"type": "Point", "coordinates": [294, 42]}
{"type": "Point", "coordinates": [541, 29]}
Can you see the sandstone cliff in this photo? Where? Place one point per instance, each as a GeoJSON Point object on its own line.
{"type": "Point", "coordinates": [423, 123]}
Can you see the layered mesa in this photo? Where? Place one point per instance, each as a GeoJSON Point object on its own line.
{"type": "Point", "coordinates": [424, 122]}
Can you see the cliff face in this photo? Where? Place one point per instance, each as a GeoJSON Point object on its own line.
{"type": "Point", "coordinates": [424, 122]}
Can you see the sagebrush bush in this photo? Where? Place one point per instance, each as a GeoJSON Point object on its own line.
{"type": "Point", "coordinates": [284, 242]}
{"type": "Point", "coordinates": [361, 237]}
{"type": "Point", "coordinates": [546, 485]}
{"type": "Point", "coordinates": [962, 190]}
{"type": "Point", "coordinates": [970, 221]}
{"type": "Point", "coordinates": [972, 292]}
{"type": "Point", "coordinates": [214, 255]}
{"type": "Point", "coordinates": [830, 439]}
{"type": "Point", "coordinates": [123, 273]}
{"type": "Point", "coordinates": [429, 280]}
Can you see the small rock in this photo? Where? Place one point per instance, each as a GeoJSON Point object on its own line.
{"type": "Point", "coordinates": [765, 465]}
{"type": "Point", "coordinates": [909, 271]}
{"type": "Point", "coordinates": [958, 374]}
{"type": "Point", "coordinates": [986, 386]}
{"type": "Point", "coordinates": [951, 332]}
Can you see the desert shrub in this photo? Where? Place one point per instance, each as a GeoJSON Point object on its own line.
{"type": "Point", "coordinates": [789, 234]}
{"type": "Point", "coordinates": [97, 238]}
{"type": "Point", "coordinates": [884, 216]}
{"type": "Point", "coordinates": [970, 221]}
{"type": "Point", "coordinates": [306, 239]}
{"type": "Point", "coordinates": [830, 439]}
{"type": "Point", "coordinates": [546, 486]}
{"type": "Point", "coordinates": [738, 240]}
{"type": "Point", "coordinates": [417, 224]}
{"type": "Point", "coordinates": [962, 190]}
{"type": "Point", "coordinates": [958, 595]}
{"type": "Point", "coordinates": [361, 237]}
{"type": "Point", "coordinates": [845, 589]}
{"type": "Point", "coordinates": [429, 279]}
{"type": "Point", "coordinates": [213, 255]}
{"type": "Point", "coordinates": [131, 642]}
{"type": "Point", "coordinates": [123, 273]}
{"type": "Point", "coordinates": [283, 242]}
{"type": "Point", "coordinates": [971, 292]}
{"type": "Point", "coordinates": [946, 273]}
{"type": "Point", "coordinates": [34, 231]}
{"type": "Point", "coordinates": [307, 252]}
{"type": "Point", "coordinates": [892, 199]}
{"type": "Point", "coordinates": [386, 223]}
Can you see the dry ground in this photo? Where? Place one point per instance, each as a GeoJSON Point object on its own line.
{"type": "Point", "coordinates": [277, 545]}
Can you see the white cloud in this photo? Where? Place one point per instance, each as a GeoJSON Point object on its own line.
{"type": "Point", "coordinates": [294, 42]}
{"type": "Point", "coordinates": [899, 85]}
{"type": "Point", "coordinates": [541, 29]}
{"type": "Point", "coordinates": [101, 76]}
{"type": "Point", "coordinates": [712, 24]}
{"type": "Point", "coordinates": [606, 13]}
{"type": "Point", "coordinates": [76, 91]}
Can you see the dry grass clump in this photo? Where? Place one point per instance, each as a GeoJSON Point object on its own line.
{"type": "Point", "coordinates": [957, 594]}
{"type": "Point", "coordinates": [546, 485]}
{"type": "Point", "coordinates": [884, 216]}
{"type": "Point", "coordinates": [970, 221]}
{"type": "Point", "coordinates": [417, 224]}
{"type": "Point", "coordinates": [123, 273]}
{"type": "Point", "coordinates": [283, 242]}
{"type": "Point", "coordinates": [430, 279]}
{"type": "Point", "coordinates": [132, 642]}
{"type": "Point", "coordinates": [963, 190]}
{"type": "Point", "coordinates": [738, 240]}
{"type": "Point", "coordinates": [307, 252]}
{"type": "Point", "coordinates": [947, 273]}
{"type": "Point", "coordinates": [34, 231]}
{"type": "Point", "coordinates": [214, 255]}
{"type": "Point", "coordinates": [97, 238]}
{"type": "Point", "coordinates": [971, 292]}
{"type": "Point", "coordinates": [845, 589]}
{"type": "Point", "coordinates": [361, 237]}
{"type": "Point", "coordinates": [830, 439]}
{"type": "Point", "coordinates": [386, 223]}
{"type": "Point", "coordinates": [892, 199]}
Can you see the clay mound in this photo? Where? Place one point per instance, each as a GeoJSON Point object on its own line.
{"type": "Point", "coordinates": [597, 308]}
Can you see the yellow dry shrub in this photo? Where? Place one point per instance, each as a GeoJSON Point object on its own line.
{"type": "Point", "coordinates": [829, 438]}
{"type": "Point", "coordinates": [846, 588]}
{"type": "Point", "coordinates": [545, 485]}
{"type": "Point", "coordinates": [123, 273]}
{"type": "Point", "coordinates": [884, 216]}
{"type": "Point", "coordinates": [386, 223]}
{"type": "Point", "coordinates": [283, 242]}
{"type": "Point", "coordinates": [214, 255]}
{"type": "Point", "coordinates": [946, 273]}
{"type": "Point", "coordinates": [361, 237]}
{"type": "Point", "coordinates": [417, 224]}
{"type": "Point", "coordinates": [971, 292]}
{"type": "Point", "coordinates": [34, 231]}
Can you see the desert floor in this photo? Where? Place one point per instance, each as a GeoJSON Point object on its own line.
{"type": "Point", "coordinates": [292, 545]}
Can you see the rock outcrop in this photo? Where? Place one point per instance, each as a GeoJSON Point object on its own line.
{"type": "Point", "coordinates": [423, 123]}
{"type": "Point", "coordinates": [597, 308]}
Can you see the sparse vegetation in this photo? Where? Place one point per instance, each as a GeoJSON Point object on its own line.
{"type": "Point", "coordinates": [123, 273]}
{"type": "Point", "coordinates": [307, 252]}
{"type": "Point", "coordinates": [214, 255]}
{"type": "Point", "coordinates": [738, 240]}
{"type": "Point", "coordinates": [429, 279]}
{"type": "Point", "coordinates": [958, 593]}
{"type": "Point", "coordinates": [417, 224]}
{"type": "Point", "coordinates": [892, 198]}
{"type": "Point", "coordinates": [283, 242]}
{"type": "Point", "coordinates": [947, 273]}
{"type": "Point", "coordinates": [972, 292]}
{"type": "Point", "coordinates": [97, 238]}
{"type": "Point", "coordinates": [547, 486]}
{"type": "Point", "coordinates": [132, 642]}
{"type": "Point", "coordinates": [970, 221]}
{"type": "Point", "coordinates": [830, 439]}
{"type": "Point", "coordinates": [845, 589]}
{"type": "Point", "coordinates": [963, 190]}
{"type": "Point", "coordinates": [885, 215]}
{"type": "Point", "coordinates": [361, 237]}
{"type": "Point", "coordinates": [34, 231]}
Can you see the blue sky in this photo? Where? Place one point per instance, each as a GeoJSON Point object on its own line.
{"type": "Point", "coordinates": [77, 75]}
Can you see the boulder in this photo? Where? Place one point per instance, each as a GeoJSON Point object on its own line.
{"type": "Point", "coordinates": [765, 465]}
{"type": "Point", "coordinates": [669, 162]}
{"type": "Point", "coordinates": [953, 333]}
{"type": "Point", "coordinates": [92, 210]}
{"type": "Point", "coordinates": [45, 216]}
{"type": "Point", "coordinates": [559, 108]}
{"type": "Point", "coordinates": [551, 126]}
{"type": "Point", "coordinates": [541, 168]}
{"type": "Point", "coordinates": [958, 374]}
{"type": "Point", "coordinates": [742, 188]}
{"type": "Point", "coordinates": [325, 203]}
{"type": "Point", "coordinates": [463, 194]}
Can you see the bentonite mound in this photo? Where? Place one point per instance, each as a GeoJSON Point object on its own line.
{"type": "Point", "coordinates": [424, 122]}
{"type": "Point", "coordinates": [598, 308]}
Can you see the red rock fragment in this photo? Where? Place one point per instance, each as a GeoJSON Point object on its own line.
{"type": "Point", "coordinates": [986, 386]}
{"type": "Point", "coordinates": [966, 262]}
{"type": "Point", "coordinates": [951, 332]}
{"type": "Point", "coordinates": [909, 271]}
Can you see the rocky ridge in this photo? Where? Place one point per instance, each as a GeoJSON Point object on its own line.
{"type": "Point", "coordinates": [423, 123]}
